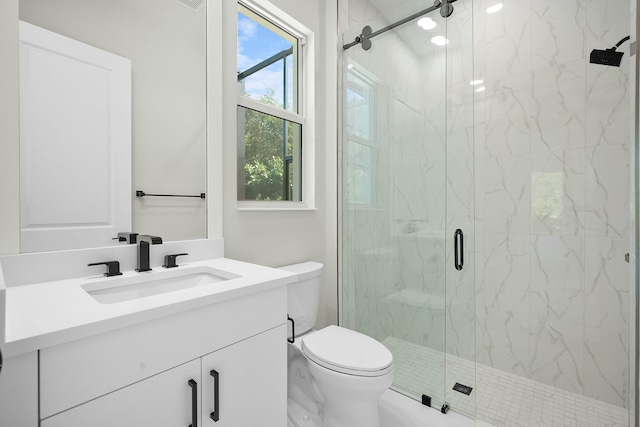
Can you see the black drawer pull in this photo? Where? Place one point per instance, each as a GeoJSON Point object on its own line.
{"type": "Point", "coordinates": [194, 403]}
{"type": "Point", "coordinates": [215, 415]}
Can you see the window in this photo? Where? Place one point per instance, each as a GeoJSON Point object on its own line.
{"type": "Point", "coordinates": [271, 127]}
{"type": "Point", "coordinates": [361, 143]}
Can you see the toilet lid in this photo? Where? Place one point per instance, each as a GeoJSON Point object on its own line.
{"type": "Point", "coordinates": [347, 351]}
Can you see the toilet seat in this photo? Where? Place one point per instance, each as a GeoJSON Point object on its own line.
{"type": "Point", "coordinates": [348, 352]}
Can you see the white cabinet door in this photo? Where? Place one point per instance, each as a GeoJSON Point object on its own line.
{"type": "Point", "coordinates": [164, 400]}
{"type": "Point", "coordinates": [75, 143]}
{"type": "Point", "coordinates": [19, 391]}
{"type": "Point", "coordinates": [251, 380]}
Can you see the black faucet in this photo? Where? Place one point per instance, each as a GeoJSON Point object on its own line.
{"type": "Point", "coordinates": [143, 250]}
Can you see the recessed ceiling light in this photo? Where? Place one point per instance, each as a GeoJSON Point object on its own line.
{"type": "Point", "coordinates": [439, 40]}
{"type": "Point", "coordinates": [349, 66]}
{"type": "Point", "coordinates": [427, 23]}
{"type": "Point", "coordinates": [481, 89]}
{"type": "Point", "coordinates": [495, 8]}
{"type": "Point", "coordinates": [476, 82]}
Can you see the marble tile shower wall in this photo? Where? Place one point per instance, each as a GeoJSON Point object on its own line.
{"type": "Point", "coordinates": [552, 195]}
{"type": "Point", "coordinates": [537, 168]}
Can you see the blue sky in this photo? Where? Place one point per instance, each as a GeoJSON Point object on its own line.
{"type": "Point", "coordinates": [255, 44]}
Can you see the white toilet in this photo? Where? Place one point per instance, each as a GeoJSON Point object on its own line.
{"type": "Point", "coordinates": [335, 375]}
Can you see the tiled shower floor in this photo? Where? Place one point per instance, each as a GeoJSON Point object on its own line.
{"type": "Point", "coordinates": [498, 397]}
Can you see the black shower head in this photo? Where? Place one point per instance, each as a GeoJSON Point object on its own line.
{"type": "Point", "coordinates": [609, 56]}
{"type": "Point", "coordinates": [606, 57]}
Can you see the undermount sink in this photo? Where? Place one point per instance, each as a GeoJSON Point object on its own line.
{"type": "Point", "coordinates": [114, 290]}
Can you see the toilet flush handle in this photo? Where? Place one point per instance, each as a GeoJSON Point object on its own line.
{"type": "Point", "coordinates": [293, 330]}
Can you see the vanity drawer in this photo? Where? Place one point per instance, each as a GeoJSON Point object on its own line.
{"type": "Point", "coordinates": [76, 372]}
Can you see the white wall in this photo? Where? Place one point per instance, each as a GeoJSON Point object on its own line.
{"type": "Point", "coordinates": [9, 142]}
{"type": "Point", "coordinates": [284, 237]}
{"type": "Point", "coordinates": [9, 160]}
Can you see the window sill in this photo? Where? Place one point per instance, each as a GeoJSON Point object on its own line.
{"type": "Point", "coordinates": [274, 206]}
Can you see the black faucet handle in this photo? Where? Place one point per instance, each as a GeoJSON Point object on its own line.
{"type": "Point", "coordinates": [130, 238]}
{"type": "Point", "coordinates": [152, 240]}
{"type": "Point", "coordinates": [113, 267]}
{"type": "Point", "coordinates": [170, 260]}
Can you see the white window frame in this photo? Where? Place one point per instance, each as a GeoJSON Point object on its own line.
{"type": "Point", "coordinates": [372, 142]}
{"type": "Point", "coordinates": [306, 110]}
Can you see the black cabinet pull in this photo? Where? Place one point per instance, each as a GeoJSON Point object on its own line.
{"type": "Point", "coordinates": [194, 403]}
{"type": "Point", "coordinates": [458, 256]}
{"type": "Point", "coordinates": [215, 415]}
{"type": "Point", "coordinates": [293, 330]}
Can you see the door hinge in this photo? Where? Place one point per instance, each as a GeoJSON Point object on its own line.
{"type": "Point", "coordinates": [426, 400]}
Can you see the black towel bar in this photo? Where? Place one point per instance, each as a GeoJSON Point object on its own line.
{"type": "Point", "coordinates": [140, 193]}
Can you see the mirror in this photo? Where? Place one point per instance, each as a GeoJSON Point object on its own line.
{"type": "Point", "coordinates": [165, 41]}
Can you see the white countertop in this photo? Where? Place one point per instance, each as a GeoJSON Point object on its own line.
{"type": "Point", "coordinates": [45, 314]}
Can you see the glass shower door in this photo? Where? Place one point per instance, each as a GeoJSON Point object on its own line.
{"type": "Point", "coordinates": [407, 200]}
{"type": "Point", "coordinates": [464, 88]}
{"type": "Point", "coordinates": [394, 179]}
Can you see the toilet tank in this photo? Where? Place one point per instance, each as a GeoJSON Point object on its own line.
{"type": "Point", "coordinates": [303, 296]}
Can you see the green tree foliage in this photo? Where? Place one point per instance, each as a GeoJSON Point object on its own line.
{"type": "Point", "coordinates": [264, 157]}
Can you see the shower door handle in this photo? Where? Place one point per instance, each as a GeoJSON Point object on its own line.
{"type": "Point", "coordinates": [458, 244]}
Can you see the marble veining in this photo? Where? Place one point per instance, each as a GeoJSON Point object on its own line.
{"type": "Point", "coordinates": [607, 191]}
{"type": "Point", "coordinates": [557, 354]}
{"type": "Point", "coordinates": [557, 192]}
{"type": "Point", "coordinates": [558, 32]}
{"type": "Point", "coordinates": [508, 40]}
{"type": "Point", "coordinates": [607, 100]}
{"type": "Point", "coordinates": [557, 277]}
{"type": "Point", "coordinates": [508, 115]}
{"type": "Point", "coordinates": [558, 107]}
{"type": "Point", "coordinates": [507, 199]}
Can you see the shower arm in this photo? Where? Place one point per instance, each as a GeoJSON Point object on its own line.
{"type": "Point", "coordinates": [365, 37]}
{"type": "Point", "coordinates": [620, 42]}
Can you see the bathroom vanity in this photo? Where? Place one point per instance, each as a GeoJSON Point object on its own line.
{"type": "Point", "coordinates": [195, 356]}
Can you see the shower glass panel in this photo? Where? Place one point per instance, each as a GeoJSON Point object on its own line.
{"type": "Point", "coordinates": [406, 187]}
